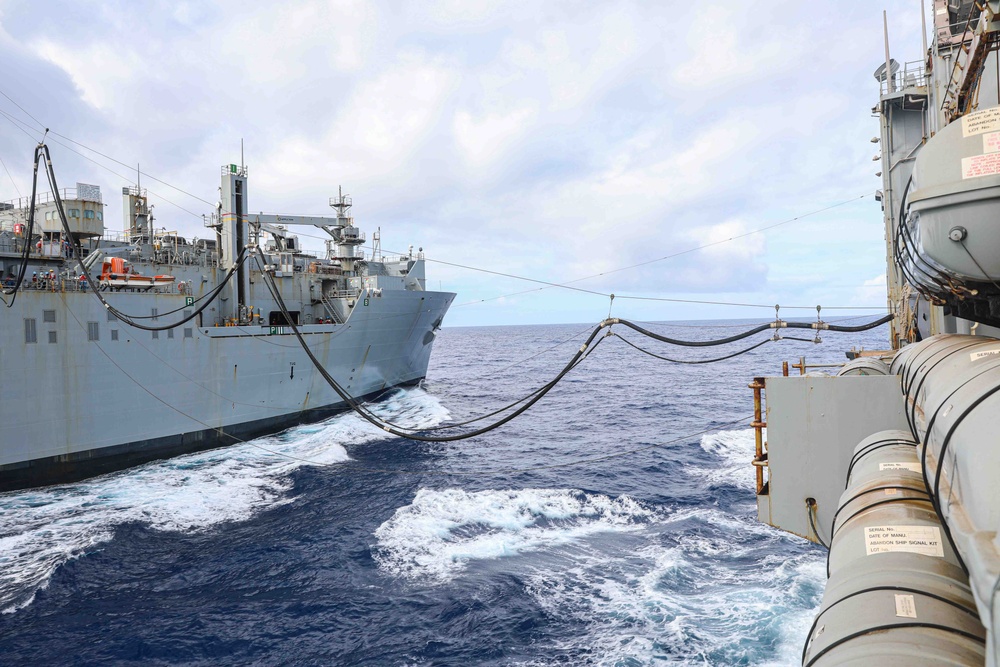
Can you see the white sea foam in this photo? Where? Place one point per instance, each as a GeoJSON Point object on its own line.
{"type": "Point", "coordinates": [732, 452]}
{"type": "Point", "coordinates": [440, 532]}
{"type": "Point", "coordinates": [42, 529]}
{"type": "Point", "coordinates": [701, 600]}
{"type": "Point", "coordinates": [689, 587]}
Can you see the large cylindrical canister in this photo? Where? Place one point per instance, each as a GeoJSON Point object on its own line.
{"type": "Point", "coordinates": [865, 366]}
{"type": "Point", "coordinates": [896, 594]}
{"type": "Point", "coordinates": [921, 360]}
{"type": "Point", "coordinates": [950, 226]}
{"type": "Point", "coordinates": [951, 385]}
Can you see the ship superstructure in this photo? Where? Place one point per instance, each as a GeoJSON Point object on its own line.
{"type": "Point", "coordinates": [88, 391]}
{"type": "Point", "coordinates": [894, 463]}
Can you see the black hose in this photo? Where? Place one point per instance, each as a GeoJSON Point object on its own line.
{"type": "Point", "coordinates": [699, 361]}
{"type": "Point", "coordinates": [375, 420]}
{"type": "Point", "coordinates": [842, 329]}
{"type": "Point", "coordinates": [819, 326]}
{"type": "Point", "coordinates": [78, 253]}
{"type": "Point", "coordinates": [26, 253]}
{"type": "Point", "coordinates": [694, 343]}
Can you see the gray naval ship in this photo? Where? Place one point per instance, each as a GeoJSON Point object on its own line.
{"type": "Point", "coordinates": [87, 392]}
{"type": "Point", "coordinates": [894, 464]}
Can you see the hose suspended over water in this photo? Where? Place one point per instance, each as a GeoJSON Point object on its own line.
{"type": "Point", "coordinates": [528, 401]}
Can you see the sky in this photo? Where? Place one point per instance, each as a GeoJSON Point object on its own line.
{"type": "Point", "coordinates": [546, 139]}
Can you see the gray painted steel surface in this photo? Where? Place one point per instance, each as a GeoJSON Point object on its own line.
{"type": "Point", "coordinates": [896, 593]}
{"type": "Point", "coordinates": [77, 395]}
{"type": "Point", "coordinates": [814, 423]}
{"type": "Point", "coordinates": [952, 386]}
{"type": "Point", "coordinates": [85, 392]}
{"type": "Point", "coordinates": [946, 196]}
{"type": "Point", "coordinates": [865, 366]}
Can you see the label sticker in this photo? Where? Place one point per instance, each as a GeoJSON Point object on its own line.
{"type": "Point", "coordinates": [978, 166]}
{"type": "Point", "coordinates": [987, 120]}
{"type": "Point", "coordinates": [924, 540]}
{"type": "Point", "coordinates": [975, 356]}
{"type": "Point", "coordinates": [991, 142]}
{"type": "Point", "coordinates": [905, 606]}
{"type": "Point", "coordinates": [891, 492]}
{"type": "Point", "coordinates": [915, 467]}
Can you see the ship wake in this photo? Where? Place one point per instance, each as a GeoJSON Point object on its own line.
{"type": "Point", "coordinates": [41, 529]}
{"type": "Point", "coordinates": [619, 580]}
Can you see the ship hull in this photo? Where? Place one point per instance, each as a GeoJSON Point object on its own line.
{"type": "Point", "coordinates": [91, 396]}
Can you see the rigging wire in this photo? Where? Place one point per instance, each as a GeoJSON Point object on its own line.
{"type": "Point", "coordinates": [25, 111]}
{"type": "Point", "coordinates": [26, 253]}
{"type": "Point", "coordinates": [533, 398]}
{"type": "Point", "coordinates": [777, 324]}
{"type": "Point", "coordinates": [95, 287]}
{"type": "Point", "coordinates": [384, 425]}
{"type": "Point", "coordinates": [12, 182]}
{"type": "Point", "coordinates": [546, 284]}
{"type": "Point", "coordinates": [660, 259]}
{"type": "Point", "coordinates": [508, 471]}
{"type": "Point", "coordinates": [607, 295]}
{"type": "Point", "coordinates": [220, 431]}
{"type": "Point", "coordinates": [500, 471]}
{"type": "Point", "coordinates": [693, 362]}
{"type": "Point", "coordinates": [128, 179]}
{"type": "Point", "coordinates": [19, 125]}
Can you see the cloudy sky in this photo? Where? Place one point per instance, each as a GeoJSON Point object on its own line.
{"type": "Point", "coordinates": [549, 139]}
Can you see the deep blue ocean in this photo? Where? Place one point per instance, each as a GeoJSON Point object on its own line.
{"type": "Point", "coordinates": [375, 550]}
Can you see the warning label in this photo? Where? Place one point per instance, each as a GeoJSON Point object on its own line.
{"type": "Point", "coordinates": [991, 142]}
{"type": "Point", "coordinates": [981, 165]}
{"type": "Point", "coordinates": [975, 356]}
{"type": "Point", "coordinates": [905, 606]}
{"type": "Point", "coordinates": [924, 540]}
{"type": "Point", "coordinates": [915, 467]}
{"type": "Point", "coordinates": [987, 120]}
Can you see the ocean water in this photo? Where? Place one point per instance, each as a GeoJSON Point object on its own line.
{"type": "Point", "coordinates": [599, 528]}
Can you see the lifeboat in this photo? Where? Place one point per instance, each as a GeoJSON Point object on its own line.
{"type": "Point", "coordinates": [117, 273]}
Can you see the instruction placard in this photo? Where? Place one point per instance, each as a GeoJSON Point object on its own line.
{"type": "Point", "coordinates": [899, 465]}
{"type": "Point", "coordinates": [905, 606]}
{"type": "Point", "coordinates": [981, 165]}
{"type": "Point", "coordinates": [924, 540]}
{"type": "Point", "coordinates": [991, 142]}
{"type": "Point", "coordinates": [980, 122]}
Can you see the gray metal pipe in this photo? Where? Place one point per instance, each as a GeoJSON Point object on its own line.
{"type": "Point", "coordinates": [865, 366]}
{"type": "Point", "coordinates": [951, 385]}
{"type": "Point", "coordinates": [896, 594]}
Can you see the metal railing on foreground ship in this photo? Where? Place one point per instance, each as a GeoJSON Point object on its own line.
{"type": "Point", "coordinates": [523, 404]}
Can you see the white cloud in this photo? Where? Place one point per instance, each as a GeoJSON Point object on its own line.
{"type": "Point", "coordinates": [554, 140]}
{"type": "Point", "coordinates": [872, 292]}
{"type": "Point", "coordinates": [487, 138]}
{"type": "Point", "coordinates": [97, 70]}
